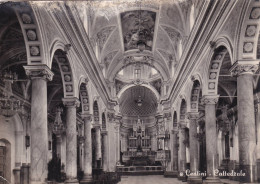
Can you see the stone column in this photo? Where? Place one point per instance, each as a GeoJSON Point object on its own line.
{"type": "Point", "coordinates": [71, 142]}
{"type": "Point", "coordinates": [182, 154]}
{"type": "Point", "coordinates": [117, 133]}
{"type": "Point", "coordinates": [87, 148]}
{"type": "Point", "coordinates": [105, 151]}
{"type": "Point", "coordinates": [174, 159]}
{"type": "Point", "coordinates": [58, 144]}
{"type": "Point", "coordinates": [244, 71]}
{"type": "Point", "coordinates": [98, 146]}
{"type": "Point", "coordinates": [257, 118]}
{"type": "Point", "coordinates": [211, 138]}
{"type": "Point", "coordinates": [194, 157]}
{"type": "Point", "coordinates": [39, 120]}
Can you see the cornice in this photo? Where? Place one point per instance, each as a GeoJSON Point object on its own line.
{"type": "Point", "coordinates": [200, 37]}
{"type": "Point", "coordinates": [70, 23]}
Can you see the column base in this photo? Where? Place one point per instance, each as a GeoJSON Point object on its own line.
{"type": "Point", "coordinates": [171, 174]}
{"type": "Point", "coordinates": [86, 179]}
{"type": "Point", "coordinates": [258, 170]}
{"type": "Point", "coordinates": [248, 173]}
{"type": "Point", "coordinates": [194, 180]}
{"type": "Point", "coordinates": [182, 176]}
{"type": "Point", "coordinates": [212, 180]}
{"type": "Point", "coordinates": [72, 180]}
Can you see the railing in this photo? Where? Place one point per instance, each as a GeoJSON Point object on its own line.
{"type": "Point", "coordinates": [139, 168]}
{"type": "Point", "coordinates": [2, 178]}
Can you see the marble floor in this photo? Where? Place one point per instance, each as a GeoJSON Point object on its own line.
{"type": "Point", "coordinates": [157, 179]}
{"type": "Point", "coordinates": [149, 179]}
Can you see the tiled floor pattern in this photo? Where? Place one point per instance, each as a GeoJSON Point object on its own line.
{"type": "Point", "coordinates": [156, 179]}
{"type": "Point", "coordinates": [149, 179]}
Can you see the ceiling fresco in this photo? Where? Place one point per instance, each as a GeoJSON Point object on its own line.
{"type": "Point", "coordinates": [138, 25]}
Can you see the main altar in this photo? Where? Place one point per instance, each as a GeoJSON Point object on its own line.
{"type": "Point", "coordinates": [139, 146]}
{"type": "Point", "coordinates": [147, 149]}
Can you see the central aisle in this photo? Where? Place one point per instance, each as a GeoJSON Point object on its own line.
{"type": "Point", "coordinates": [149, 179]}
{"type": "Point", "coordinates": [159, 179]}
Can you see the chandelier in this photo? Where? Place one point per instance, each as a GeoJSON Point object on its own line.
{"type": "Point", "coordinates": [58, 127]}
{"type": "Point", "coordinates": [139, 101]}
{"type": "Point", "coordinates": [9, 106]}
{"type": "Point", "coordinates": [224, 122]}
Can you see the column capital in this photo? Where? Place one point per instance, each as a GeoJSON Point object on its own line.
{"type": "Point", "coordinates": [167, 115]}
{"type": "Point", "coordinates": [174, 131]}
{"type": "Point", "coordinates": [86, 116]}
{"type": "Point", "coordinates": [110, 116]}
{"type": "Point", "coordinates": [96, 125]}
{"type": "Point", "coordinates": [71, 102]}
{"type": "Point", "coordinates": [193, 115]}
{"type": "Point", "coordinates": [210, 99]}
{"type": "Point", "coordinates": [103, 132]}
{"type": "Point", "coordinates": [38, 71]}
{"type": "Point", "coordinates": [182, 124]}
{"type": "Point", "coordinates": [241, 67]}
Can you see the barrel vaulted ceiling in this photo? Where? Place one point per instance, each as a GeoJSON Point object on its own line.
{"type": "Point", "coordinates": [167, 27]}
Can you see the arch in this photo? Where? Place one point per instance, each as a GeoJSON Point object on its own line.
{"type": "Point", "coordinates": [117, 66]}
{"type": "Point", "coordinates": [96, 112]}
{"type": "Point", "coordinates": [183, 110]}
{"type": "Point", "coordinates": [104, 121]}
{"type": "Point", "coordinates": [84, 97]}
{"type": "Point", "coordinates": [61, 58]}
{"type": "Point", "coordinates": [216, 60]}
{"type": "Point", "coordinates": [35, 49]}
{"type": "Point", "coordinates": [195, 93]}
{"type": "Point", "coordinates": [55, 45]}
{"type": "Point", "coordinates": [248, 31]}
{"type": "Point", "coordinates": [145, 85]}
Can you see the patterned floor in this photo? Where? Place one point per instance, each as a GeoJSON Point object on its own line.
{"type": "Point", "coordinates": [149, 179]}
{"type": "Point", "coordinates": [157, 179]}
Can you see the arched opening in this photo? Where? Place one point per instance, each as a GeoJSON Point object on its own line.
{"type": "Point", "coordinates": [5, 161]}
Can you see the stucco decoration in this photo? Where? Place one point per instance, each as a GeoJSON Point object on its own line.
{"type": "Point", "coordinates": [138, 25]}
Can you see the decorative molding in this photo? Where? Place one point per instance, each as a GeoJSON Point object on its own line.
{"type": "Point", "coordinates": [103, 35]}
{"type": "Point", "coordinates": [167, 116]}
{"type": "Point", "coordinates": [244, 67]}
{"type": "Point", "coordinates": [87, 117]}
{"type": "Point", "coordinates": [210, 99]}
{"type": "Point", "coordinates": [39, 71]}
{"type": "Point", "coordinates": [71, 102]}
{"type": "Point", "coordinates": [193, 115]}
{"type": "Point", "coordinates": [110, 116]}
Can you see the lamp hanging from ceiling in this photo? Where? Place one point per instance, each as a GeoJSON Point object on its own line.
{"type": "Point", "coordinates": [139, 101]}
{"type": "Point", "coordinates": [58, 127]}
{"type": "Point", "coordinates": [9, 105]}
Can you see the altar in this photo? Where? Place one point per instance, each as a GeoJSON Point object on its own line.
{"type": "Point", "coordinates": [139, 151]}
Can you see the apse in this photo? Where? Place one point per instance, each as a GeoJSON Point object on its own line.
{"type": "Point", "coordinates": [138, 101]}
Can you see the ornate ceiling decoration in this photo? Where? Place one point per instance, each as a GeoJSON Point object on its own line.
{"type": "Point", "coordinates": [138, 25]}
{"type": "Point", "coordinates": [129, 105]}
{"type": "Point", "coordinates": [109, 57]}
{"type": "Point", "coordinates": [103, 35]}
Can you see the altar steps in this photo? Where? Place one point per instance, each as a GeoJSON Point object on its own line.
{"type": "Point", "coordinates": [140, 170]}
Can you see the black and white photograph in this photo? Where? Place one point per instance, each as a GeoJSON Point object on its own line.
{"type": "Point", "coordinates": [130, 92]}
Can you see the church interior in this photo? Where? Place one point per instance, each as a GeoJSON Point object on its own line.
{"type": "Point", "coordinates": [99, 92]}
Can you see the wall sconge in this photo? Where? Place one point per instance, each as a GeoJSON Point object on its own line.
{"type": "Point", "coordinates": [27, 141]}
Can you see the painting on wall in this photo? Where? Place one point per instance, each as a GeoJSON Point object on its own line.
{"type": "Point", "coordinates": [138, 27]}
